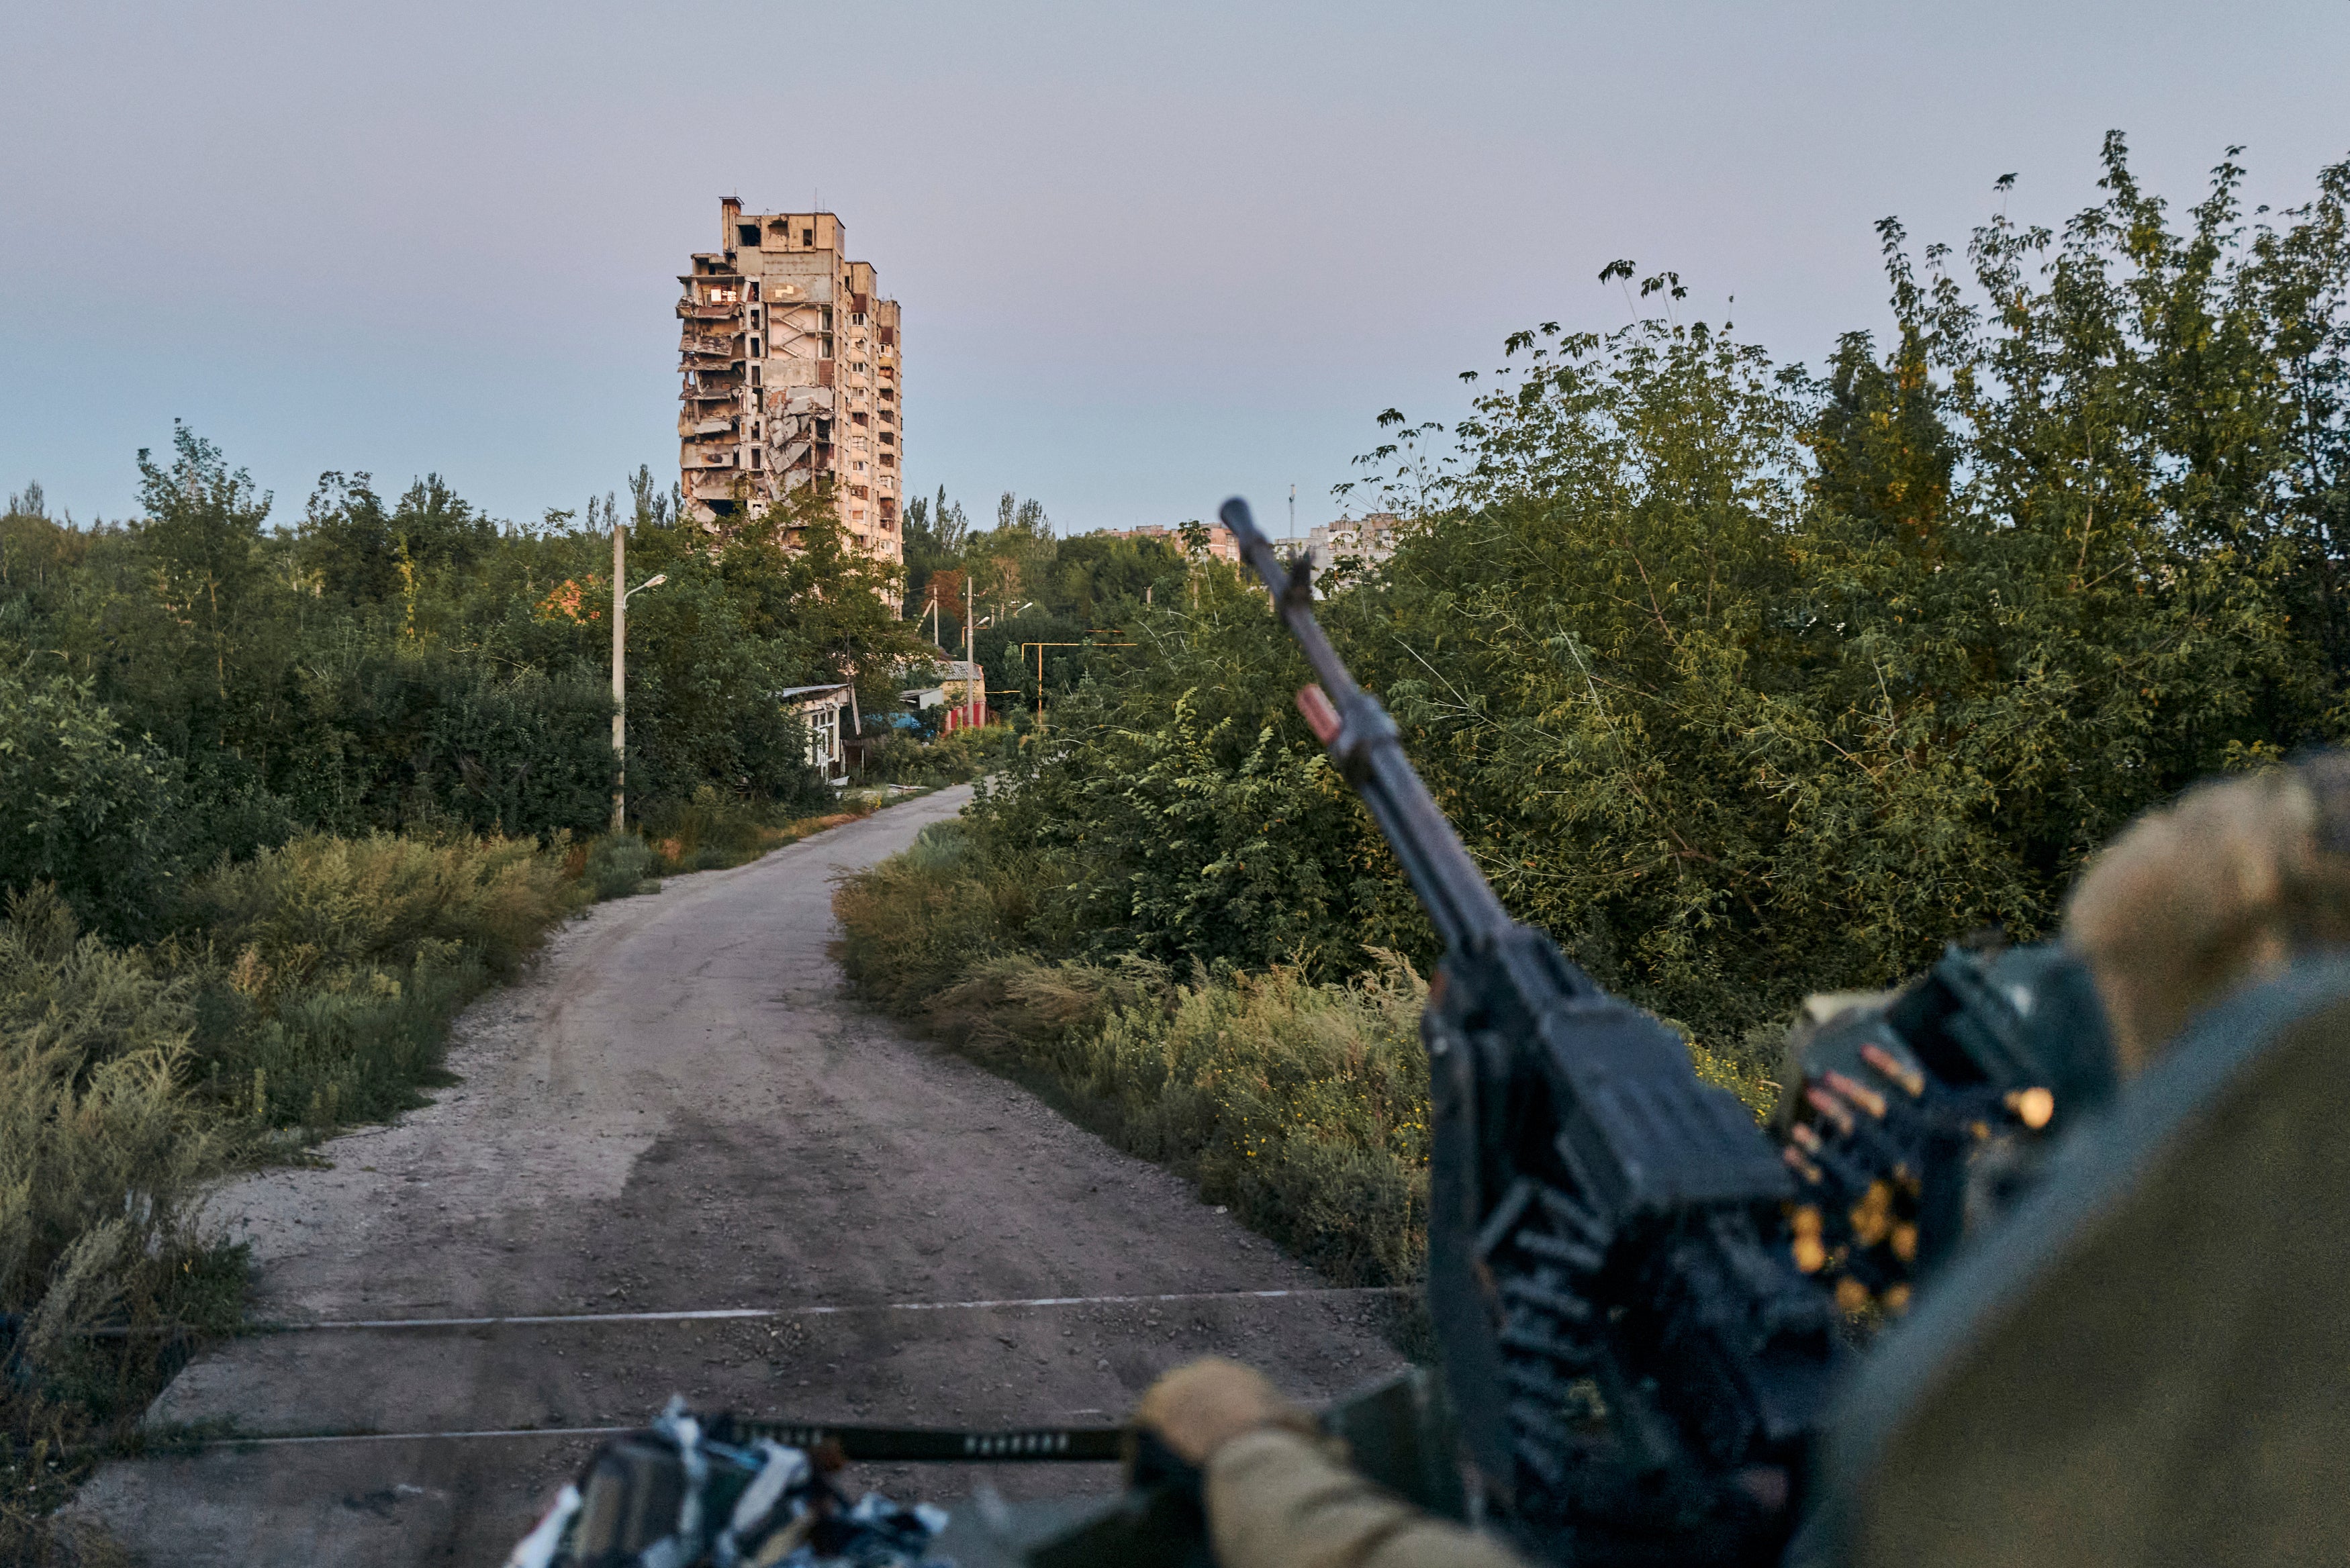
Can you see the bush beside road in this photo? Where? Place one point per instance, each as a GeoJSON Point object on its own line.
{"type": "Point", "coordinates": [1301, 1105]}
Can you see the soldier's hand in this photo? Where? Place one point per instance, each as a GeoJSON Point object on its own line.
{"type": "Point", "coordinates": [1199, 1406]}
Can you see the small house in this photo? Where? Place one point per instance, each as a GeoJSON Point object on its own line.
{"type": "Point", "coordinates": [960, 688]}
{"type": "Point", "coordinates": [825, 710]}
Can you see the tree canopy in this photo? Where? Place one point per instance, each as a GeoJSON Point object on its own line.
{"type": "Point", "coordinates": [1746, 680]}
{"type": "Point", "coordinates": [195, 683]}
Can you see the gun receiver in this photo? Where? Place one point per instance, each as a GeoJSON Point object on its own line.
{"type": "Point", "coordinates": [1635, 1360]}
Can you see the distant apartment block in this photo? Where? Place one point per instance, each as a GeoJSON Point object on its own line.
{"type": "Point", "coordinates": [790, 360]}
{"type": "Point", "coordinates": [1220, 543]}
{"type": "Point", "coordinates": [1369, 539]}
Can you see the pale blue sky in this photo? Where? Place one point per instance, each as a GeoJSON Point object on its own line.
{"type": "Point", "coordinates": [1148, 255]}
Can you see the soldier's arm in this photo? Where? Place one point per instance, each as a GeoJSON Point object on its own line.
{"type": "Point", "coordinates": [1278, 1497]}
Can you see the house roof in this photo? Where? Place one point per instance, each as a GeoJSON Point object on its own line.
{"type": "Point", "coordinates": [790, 691]}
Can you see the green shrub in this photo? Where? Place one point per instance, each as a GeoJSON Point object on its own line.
{"type": "Point", "coordinates": [341, 961]}
{"type": "Point", "coordinates": [321, 904]}
{"type": "Point", "coordinates": [1303, 1105]}
{"type": "Point", "coordinates": [707, 832]}
{"type": "Point", "coordinates": [619, 864]}
{"type": "Point", "coordinates": [102, 1154]}
{"type": "Point", "coordinates": [914, 925]}
{"type": "Point", "coordinates": [87, 810]}
{"type": "Point", "coordinates": [1746, 682]}
{"type": "Point", "coordinates": [96, 1128]}
{"type": "Point", "coordinates": [957, 757]}
{"type": "Point", "coordinates": [713, 830]}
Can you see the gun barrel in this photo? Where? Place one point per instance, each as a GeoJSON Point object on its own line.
{"type": "Point", "coordinates": [1368, 752]}
{"type": "Point", "coordinates": [858, 1444]}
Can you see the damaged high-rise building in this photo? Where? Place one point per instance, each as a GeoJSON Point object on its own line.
{"type": "Point", "coordinates": [790, 360]}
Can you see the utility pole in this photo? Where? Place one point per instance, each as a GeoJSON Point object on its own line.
{"type": "Point", "coordinates": [622, 595]}
{"type": "Point", "coordinates": [970, 659]}
{"type": "Point", "coordinates": [1041, 647]}
{"type": "Point", "coordinates": [619, 675]}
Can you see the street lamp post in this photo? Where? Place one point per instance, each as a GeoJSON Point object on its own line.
{"type": "Point", "coordinates": [620, 598]}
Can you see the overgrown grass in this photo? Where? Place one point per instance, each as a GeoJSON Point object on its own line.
{"type": "Point", "coordinates": [103, 1149]}
{"type": "Point", "coordinates": [1302, 1106]}
{"type": "Point", "coordinates": [334, 965]}
{"type": "Point", "coordinates": [309, 987]}
{"type": "Point", "coordinates": [712, 830]}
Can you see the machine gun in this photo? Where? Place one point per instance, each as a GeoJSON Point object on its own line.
{"type": "Point", "coordinates": [1645, 1301]}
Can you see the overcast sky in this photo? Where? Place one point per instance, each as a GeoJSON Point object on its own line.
{"type": "Point", "coordinates": [1148, 255]}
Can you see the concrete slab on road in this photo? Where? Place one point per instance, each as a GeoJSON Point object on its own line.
{"type": "Point", "coordinates": [680, 1109]}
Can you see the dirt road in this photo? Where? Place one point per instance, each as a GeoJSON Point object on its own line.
{"type": "Point", "coordinates": [681, 1110]}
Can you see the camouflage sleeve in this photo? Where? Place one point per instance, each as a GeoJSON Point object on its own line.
{"type": "Point", "coordinates": [1277, 1500]}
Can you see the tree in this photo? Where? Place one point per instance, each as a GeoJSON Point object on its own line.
{"type": "Point", "coordinates": [202, 536]}
{"type": "Point", "coordinates": [94, 814]}
{"type": "Point", "coordinates": [1745, 683]}
{"type": "Point", "coordinates": [935, 536]}
{"type": "Point", "coordinates": [841, 598]}
{"type": "Point", "coordinates": [651, 506]}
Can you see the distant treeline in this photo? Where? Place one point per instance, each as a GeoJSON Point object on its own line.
{"type": "Point", "coordinates": [1026, 585]}
{"type": "Point", "coordinates": [195, 683]}
{"type": "Point", "coordinates": [1746, 679]}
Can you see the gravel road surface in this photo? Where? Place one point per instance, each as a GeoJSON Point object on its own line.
{"type": "Point", "coordinates": [679, 1109]}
